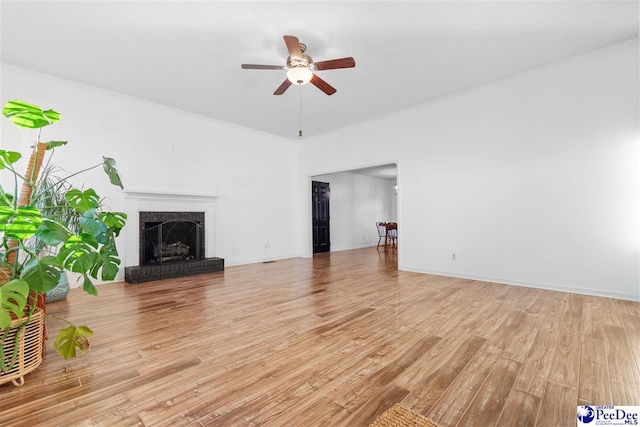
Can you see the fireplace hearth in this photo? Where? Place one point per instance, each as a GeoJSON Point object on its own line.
{"type": "Point", "coordinates": [171, 244]}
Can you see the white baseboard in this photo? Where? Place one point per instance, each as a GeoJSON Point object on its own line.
{"type": "Point", "coordinates": [546, 286]}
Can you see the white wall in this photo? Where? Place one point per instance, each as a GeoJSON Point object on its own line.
{"type": "Point", "coordinates": [531, 180]}
{"type": "Point", "coordinates": [356, 203]}
{"type": "Point", "coordinates": [156, 147]}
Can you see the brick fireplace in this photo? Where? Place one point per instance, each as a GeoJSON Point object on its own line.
{"type": "Point", "coordinates": [170, 243]}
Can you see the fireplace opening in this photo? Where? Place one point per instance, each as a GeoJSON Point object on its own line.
{"type": "Point", "coordinates": [172, 241]}
{"type": "Point", "coordinates": [172, 244]}
{"type": "Point", "coordinates": [171, 237]}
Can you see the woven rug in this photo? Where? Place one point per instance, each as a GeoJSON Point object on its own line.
{"type": "Point", "coordinates": [399, 416]}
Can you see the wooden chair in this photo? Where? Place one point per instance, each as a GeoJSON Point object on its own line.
{"type": "Point", "coordinates": [392, 233]}
{"type": "Point", "coordinates": [382, 232]}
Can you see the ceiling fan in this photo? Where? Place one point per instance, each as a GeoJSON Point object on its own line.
{"type": "Point", "coordinates": [300, 67]}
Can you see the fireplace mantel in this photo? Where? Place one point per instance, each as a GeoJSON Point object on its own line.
{"type": "Point", "coordinates": [168, 194]}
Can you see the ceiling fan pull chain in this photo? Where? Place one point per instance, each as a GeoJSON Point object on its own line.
{"type": "Point", "coordinates": [300, 131]}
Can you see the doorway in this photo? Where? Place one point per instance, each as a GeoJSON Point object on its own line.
{"type": "Point", "coordinates": [359, 199]}
{"type": "Point", "coordinates": [320, 192]}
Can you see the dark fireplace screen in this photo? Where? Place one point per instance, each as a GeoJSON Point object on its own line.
{"type": "Point", "coordinates": [171, 237]}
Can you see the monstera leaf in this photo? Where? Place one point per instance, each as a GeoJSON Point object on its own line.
{"type": "Point", "coordinates": [52, 233]}
{"type": "Point", "coordinates": [30, 116]}
{"type": "Point", "coordinates": [108, 261]}
{"type": "Point", "coordinates": [82, 200]}
{"type": "Point", "coordinates": [6, 213]}
{"type": "Point", "coordinates": [13, 296]}
{"type": "Point", "coordinates": [6, 199]}
{"type": "Point", "coordinates": [78, 253]}
{"type": "Point", "coordinates": [114, 220]}
{"type": "Point", "coordinates": [71, 338]}
{"type": "Point", "coordinates": [90, 223]}
{"type": "Point", "coordinates": [21, 223]}
{"type": "Point", "coordinates": [109, 166]}
{"type": "Point", "coordinates": [55, 144]}
{"type": "Point", "coordinates": [8, 158]}
{"type": "Point", "coordinates": [88, 286]}
{"type": "Point", "coordinates": [42, 274]}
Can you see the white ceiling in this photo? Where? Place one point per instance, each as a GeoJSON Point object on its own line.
{"type": "Point", "coordinates": [187, 54]}
{"type": "Point", "coordinates": [388, 171]}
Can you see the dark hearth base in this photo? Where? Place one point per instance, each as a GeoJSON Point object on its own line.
{"type": "Point", "coordinates": [147, 273]}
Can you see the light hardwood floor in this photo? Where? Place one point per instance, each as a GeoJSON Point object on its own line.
{"type": "Point", "coordinates": [332, 341]}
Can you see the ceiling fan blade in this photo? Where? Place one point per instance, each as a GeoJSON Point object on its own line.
{"type": "Point", "coordinates": [336, 63]}
{"type": "Point", "coordinates": [262, 67]}
{"type": "Point", "coordinates": [322, 85]}
{"type": "Point", "coordinates": [293, 46]}
{"type": "Point", "coordinates": [283, 87]}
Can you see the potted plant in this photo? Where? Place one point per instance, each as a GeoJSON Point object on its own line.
{"type": "Point", "coordinates": [49, 198]}
{"type": "Point", "coordinates": [38, 245]}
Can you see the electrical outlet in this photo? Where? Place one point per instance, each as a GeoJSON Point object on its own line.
{"type": "Point", "coordinates": [453, 257]}
{"type": "Point", "coordinates": [267, 246]}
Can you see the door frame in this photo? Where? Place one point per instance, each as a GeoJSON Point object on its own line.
{"type": "Point", "coordinates": [306, 238]}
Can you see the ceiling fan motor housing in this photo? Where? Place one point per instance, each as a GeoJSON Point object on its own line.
{"type": "Point", "coordinates": [304, 61]}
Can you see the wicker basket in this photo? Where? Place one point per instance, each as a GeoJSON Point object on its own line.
{"type": "Point", "coordinates": [29, 348]}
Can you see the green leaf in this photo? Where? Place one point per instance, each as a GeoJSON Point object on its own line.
{"type": "Point", "coordinates": [113, 219]}
{"type": "Point", "coordinates": [6, 199]}
{"type": "Point", "coordinates": [21, 223]}
{"type": "Point", "coordinates": [55, 144]}
{"type": "Point", "coordinates": [91, 224]}
{"type": "Point", "coordinates": [108, 261]}
{"type": "Point", "coordinates": [109, 166]}
{"type": "Point", "coordinates": [27, 115]}
{"type": "Point", "coordinates": [84, 263]}
{"type": "Point", "coordinates": [13, 296]}
{"type": "Point", "coordinates": [52, 232]}
{"type": "Point", "coordinates": [78, 253]}
{"type": "Point", "coordinates": [88, 287]}
{"type": "Point", "coordinates": [42, 274]}
{"type": "Point", "coordinates": [71, 338]}
{"type": "Point", "coordinates": [8, 158]}
{"type": "Point", "coordinates": [82, 200]}
{"type": "Point", "coordinates": [6, 213]}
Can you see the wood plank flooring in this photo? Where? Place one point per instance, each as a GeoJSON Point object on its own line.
{"type": "Point", "coordinates": [331, 341]}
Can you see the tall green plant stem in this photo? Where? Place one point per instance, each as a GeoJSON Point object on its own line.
{"type": "Point", "coordinates": [35, 162]}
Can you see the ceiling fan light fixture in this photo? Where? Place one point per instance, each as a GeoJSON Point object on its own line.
{"type": "Point", "coordinates": [299, 75]}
